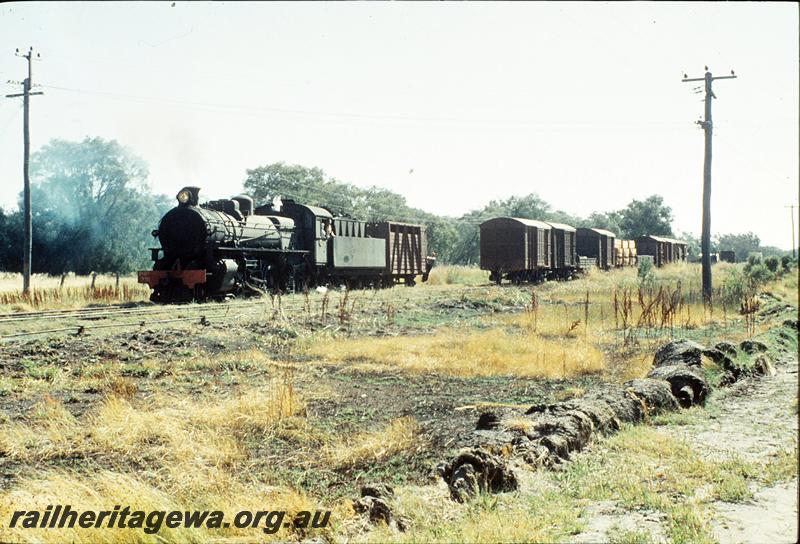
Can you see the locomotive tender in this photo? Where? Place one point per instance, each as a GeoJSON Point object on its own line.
{"type": "Point", "coordinates": [229, 247]}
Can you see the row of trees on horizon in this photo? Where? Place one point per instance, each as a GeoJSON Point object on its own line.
{"type": "Point", "coordinates": [93, 211]}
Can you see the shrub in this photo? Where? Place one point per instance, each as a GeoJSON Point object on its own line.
{"type": "Point", "coordinates": [786, 263]}
{"type": "Point", "coordinates": [734, 287]}
{"type": "Point", "coordinates": [645, 271]}
{"type": "Point", "coordinates": [759, 274]}
{"type": "Point", "coordinates": [752, 260]}
{"type": "Point", "coordinates": [772, 263]}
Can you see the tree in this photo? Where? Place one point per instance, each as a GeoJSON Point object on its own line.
{"type": "Point", "coordinates": [93, 210]}
{"type": "Point", "coordinates": [299, 183]}
{"type": "Point", "coordinates": [650, 216]}
{"type": "Point", "coordinates": [741, 244]}
{"type": "Point", "coordinates": [693, 243]}
{"type": "Point", "coordinates": [603, 220]}
{"type": "Point", "coordinates": [312, 186]}
{"type": "Point", "coordinates": [11, 241]}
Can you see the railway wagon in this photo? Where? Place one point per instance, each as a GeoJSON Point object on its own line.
{"type": "Point", "coordinates": [564, 255]}
{"type": "Point", "coordinates": [597, 244]}
{"type": "Point", "coordinates": [405, 250]}
{"type": "Point", "coordinates": [727, 256]}
{"type": "Point", "coordinates": [516, 249]}
{"type": "Point", "coordinates": [658, 247]}
{"type": "Point", "coordinates": [680, 250]}
{"type": "Point", "coordinates": [663, 250]}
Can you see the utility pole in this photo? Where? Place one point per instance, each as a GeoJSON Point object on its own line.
{"type": "Point", "coordinates": [707, 126]}
{"type": "Point", "coordinates": [27, 85]}
{"type": "Point", "coordinates": [791, 211]}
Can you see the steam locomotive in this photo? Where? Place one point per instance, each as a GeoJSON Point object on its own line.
{"type": "Point", "coordinates": [230, 247]}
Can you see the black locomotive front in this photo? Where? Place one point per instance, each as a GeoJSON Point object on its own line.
{"type": "Point", "coordinates": [218, 248]}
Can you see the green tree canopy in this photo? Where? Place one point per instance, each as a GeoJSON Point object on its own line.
{"type": "Point", "coordinates": [642, 217]}
{"type": "Point", "coordinates": [92, 208]}
{"type": "Point", "coordinates": [603, 220]}
{"type": "Point", "coordinates": [312, 186]}
{"type": "Point", "coordinates": [742, 244]}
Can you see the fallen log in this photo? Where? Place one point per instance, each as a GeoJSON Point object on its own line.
{"type": "Point", "coordinates": [688, 384]}
{"type": "Point", "coordinates": [475, 471]}
{"type": "Point", "coordinates": [555, 431]}
{"type": "Point", "coordinates": [679, 352]}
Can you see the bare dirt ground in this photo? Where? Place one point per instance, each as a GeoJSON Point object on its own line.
{"type": "Point", "coordinates": [753, 420]}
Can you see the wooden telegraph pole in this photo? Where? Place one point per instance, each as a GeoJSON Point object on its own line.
{"type": "Point", "coordinates": [708, 128]}
{"type": "Point", "coordinates": [27, 85]}
{"type": "Point", "coordinates": [791, 212]}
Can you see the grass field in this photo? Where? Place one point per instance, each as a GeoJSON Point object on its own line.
{"type": "Point", "coordinates": [50, 292]}
{"type": "Point", "coordinates": [296, 403]}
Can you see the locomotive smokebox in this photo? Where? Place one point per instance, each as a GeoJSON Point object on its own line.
{"type": "Point", "coordinates": [182, 231]}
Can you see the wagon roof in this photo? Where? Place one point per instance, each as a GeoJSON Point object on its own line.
{"type": "Point", "coordinates": [602, 232]}
{"type": "Point", "coordinates": [561, 226]}
{"type": "Point", "coordinates": [526, 222]}
{"type": "Point", "coordinates": [664, 239]}
{"type": "Point", "coordinates": [655, 238]}
{"type": "Point", "coordinates": [316, 210]}
{"type": "Point", "coordinates": [401, 223]}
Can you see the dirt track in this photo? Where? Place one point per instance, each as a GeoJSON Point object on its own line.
{"type": "Point", "coordinates": [752, 420]}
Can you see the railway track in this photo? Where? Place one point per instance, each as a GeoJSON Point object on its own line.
{"type": "Point", "coordinates": [107, 311]}
{"type": "Point", "coordinates": [83, 319]}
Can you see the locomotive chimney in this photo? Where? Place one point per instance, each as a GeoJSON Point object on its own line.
{"type": "Point", "coordinates": [246, 204]}
{"type": "Point", "coordinates": [188, 196]}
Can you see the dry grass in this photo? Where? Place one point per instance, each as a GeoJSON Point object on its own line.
{"type": "Point", "coordinates": [457, 275]}
{"type": "Point", "coordinates": [508, 517]}
{"type": "Point", "coordinates": [183, 429]}
{"type": "Point", "coordinates": [102, 489]}
{"type": "Point", "coordinates": [520, 424]}
{"type": "Point", "coordinates": [604, 321]}
{"type": "Point", "coordinates": [467, 353]}
{"type": "Point", "coordinates": [75, 291]}
{"type": "Point", "coordinates": [161, 452]}
{"type": "Point", "coordinates": [399, 435]}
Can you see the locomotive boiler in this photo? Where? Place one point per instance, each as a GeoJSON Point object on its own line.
{"type": "Point", "coordinates": [230, 247]}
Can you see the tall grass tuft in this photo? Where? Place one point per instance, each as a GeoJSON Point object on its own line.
{"type": "Point", "coordinates": [457, 275]}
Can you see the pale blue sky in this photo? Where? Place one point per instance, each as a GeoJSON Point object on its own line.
{"type": "Point", "coordinates": [580, 102]}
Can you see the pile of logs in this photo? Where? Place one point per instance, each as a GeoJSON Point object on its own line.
{"type": "Point", "coordinates": [557, 430]}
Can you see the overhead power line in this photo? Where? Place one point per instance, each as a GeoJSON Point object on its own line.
{"type": "Point", "coordinates": [249, 110]}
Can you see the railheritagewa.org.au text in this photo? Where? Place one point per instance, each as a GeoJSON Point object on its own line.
{"type": "Point", "coordinates": [63, 516]}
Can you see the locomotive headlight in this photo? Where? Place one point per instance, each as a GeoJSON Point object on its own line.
{"type": "Point", "coordinates": [184, 196]}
